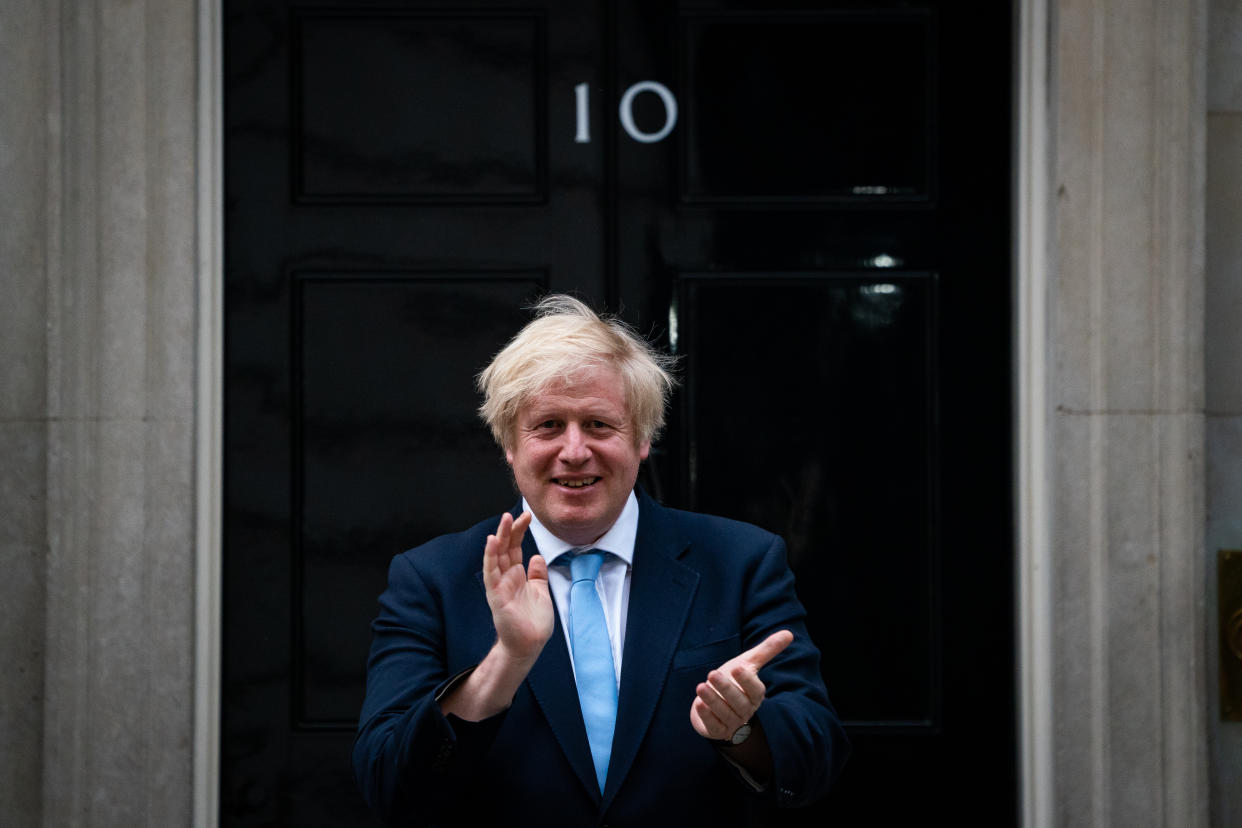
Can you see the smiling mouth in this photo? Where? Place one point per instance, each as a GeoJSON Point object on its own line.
{"type": "Point", "coordinates": [576, 484]}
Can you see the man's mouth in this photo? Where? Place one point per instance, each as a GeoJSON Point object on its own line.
{"type": "Point", "coordinates": [576, 483]}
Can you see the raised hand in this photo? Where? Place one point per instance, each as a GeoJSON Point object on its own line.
{"type": "Point", "coordinates": [733, 691]}
{"type": "Point", "coordinates": [518, 596]}
{"type": "Point", "coordinates": [523, 615]}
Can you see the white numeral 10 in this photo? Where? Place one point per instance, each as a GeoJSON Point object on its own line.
{"type": "Point", "coordinates": [582, 97]}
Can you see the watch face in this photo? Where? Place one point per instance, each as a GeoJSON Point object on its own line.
{"type": "Point", "coordinates": [740, 734]}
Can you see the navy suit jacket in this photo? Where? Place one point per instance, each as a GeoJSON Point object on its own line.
{"type": "Point", "coordinates": [703, 589]}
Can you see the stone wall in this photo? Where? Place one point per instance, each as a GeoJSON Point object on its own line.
{"type": "Point", "coordinates": [1125, 384]}
{"type": "Point", "coordinates": [24, 214]}
{"type": "Point", "coordinates": [98, 409]}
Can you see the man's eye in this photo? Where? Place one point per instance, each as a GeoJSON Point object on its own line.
{"type": "Point", "coordinates": [548, 424]}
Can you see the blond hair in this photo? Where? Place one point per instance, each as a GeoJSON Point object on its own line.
{"type": "Point", "coordinates": [564, 339]}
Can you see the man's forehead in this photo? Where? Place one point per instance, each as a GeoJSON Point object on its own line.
{"type": "Point", "coordinates": [571, 395]}
{"type": "Point", "coordinates": [602, 386]}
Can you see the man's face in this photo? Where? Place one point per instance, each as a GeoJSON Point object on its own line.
{"type": "Point", "coordinates": [575, 455]}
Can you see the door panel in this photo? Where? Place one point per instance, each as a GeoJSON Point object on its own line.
{"type": "Point", "coordinates": [827, 383]}
{"type": "Point", "coordinates": [806, 107]}
{"type": "Point", "coordinates": [822, 237]}
{"type": "Point", "coordinates": [419, 106]}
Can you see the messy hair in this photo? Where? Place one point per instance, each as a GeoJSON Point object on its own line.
{"type": "Point", "coordinates": [566, 338]}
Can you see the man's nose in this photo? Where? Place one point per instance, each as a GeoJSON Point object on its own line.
{"type": "Point", "coordinates": [574, 447]}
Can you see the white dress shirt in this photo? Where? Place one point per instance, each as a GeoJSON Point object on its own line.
{"type": "Point", "coordinates": [612, 583]}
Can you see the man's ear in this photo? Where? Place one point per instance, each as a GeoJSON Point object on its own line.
{"type": "Point", "coordinates": [509, 457]}
{"type": "Point", "coordinates": [644, 450]}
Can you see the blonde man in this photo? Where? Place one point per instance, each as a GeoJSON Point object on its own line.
{"type": "Point", "coordinates": [670, 684]}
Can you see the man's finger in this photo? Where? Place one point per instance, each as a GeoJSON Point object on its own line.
{"type": "Point", "coordinates": [716, 713]}
{"type": "Point", "coordinates": [538, 569]}
{"type": "Point", "coordinates": [491, 562]}
{"type": "Point", "coordinates": [698, 719]}
{"type": "Point", "coordinates": [706, 722]}
{"type": "Point", "coordinates": [733, 694]}
{"type": "Point", "coordinates": [498, 545]}
{"type": "Point", "coordinates": [768, 649]}
{"type": "Point", "coordinates": [720, 709]}
{"type": "Point", "coordinates": [748, 679]}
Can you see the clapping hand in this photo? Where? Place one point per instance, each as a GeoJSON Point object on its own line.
{"type": "Point", "coordinates": [733, 691]}
{"type": "Point", "coordinates": [518, 596]}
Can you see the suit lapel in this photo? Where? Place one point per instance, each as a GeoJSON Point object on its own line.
{"type": "Point", "coordinates": [661, 591]}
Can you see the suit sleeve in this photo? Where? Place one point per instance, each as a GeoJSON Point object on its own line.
{"type": "Point", "coordinates": [411, 762]}
{"type": "Point", "coordinates": [805, 737]}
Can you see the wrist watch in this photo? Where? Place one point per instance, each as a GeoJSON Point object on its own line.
{"type": "Point", "coordinates": [737, 738]}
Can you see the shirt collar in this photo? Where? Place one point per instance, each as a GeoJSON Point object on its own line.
{"type": "Point", "coordinates": [619, 540]}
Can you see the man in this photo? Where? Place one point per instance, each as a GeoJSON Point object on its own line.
{"type": "Point", "coordinates": [591, 657]}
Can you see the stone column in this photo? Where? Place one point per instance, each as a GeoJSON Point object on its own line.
{"type": "Point", "coordinates": [23, 393]}
{"type": "Point", "coordinates": [1126, 413]}
{"type": "Point", "coordinates": [117, 85]}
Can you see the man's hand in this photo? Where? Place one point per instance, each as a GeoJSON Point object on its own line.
{"type": "Point", "coordinates": [733, 691]}
{"type": "Point", "coordinates": [521, 604]}
{"type": "Point", "coordinates": [523, 615]}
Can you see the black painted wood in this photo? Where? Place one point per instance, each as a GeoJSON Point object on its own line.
{"type": "Point", "coordinates": [828, 381]}
{"type": "Point", "coordinates": [807, 107]}
{"type": "Point", "coordinates": [824, 238]}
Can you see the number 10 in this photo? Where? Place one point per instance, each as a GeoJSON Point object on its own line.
{"type": "Point", "coordinates": [582, 93]}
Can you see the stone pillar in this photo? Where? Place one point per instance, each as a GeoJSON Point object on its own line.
{"type": "Point", "coordinates": [23, 393]}
{"type": "Point", "coordinates": [1126, 413]}
{"type": "Point", "coordinates": [113, 103]}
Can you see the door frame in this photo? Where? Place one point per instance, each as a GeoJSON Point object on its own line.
{"type": "Point", "coordinates": [209, 413]}
{"type": "Point", "coordinates": [1030, 122]}
{"type": "Point", "coordinates": [1031, 273]}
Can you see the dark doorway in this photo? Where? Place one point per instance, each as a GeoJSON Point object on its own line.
{"type": "Point", "coordinates": [822, 234]}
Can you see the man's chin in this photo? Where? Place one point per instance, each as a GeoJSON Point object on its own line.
{"type": "Point", "coordinates": [575, 526]}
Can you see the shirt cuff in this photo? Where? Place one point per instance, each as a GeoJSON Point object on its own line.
{"type": "Point", "coordinates": [450, 684]}
{"type": "Point", "coordinates": [751, 782]}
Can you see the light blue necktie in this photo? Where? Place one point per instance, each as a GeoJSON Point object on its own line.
{"type": "Point", "coordinates": [593, 669]}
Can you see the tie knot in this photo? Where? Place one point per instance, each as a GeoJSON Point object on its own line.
{"type": "Point", "coordinates": [584, 566]}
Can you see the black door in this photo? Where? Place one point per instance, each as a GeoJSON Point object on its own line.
{"type": "Point", "coordinates": [809, 204]}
